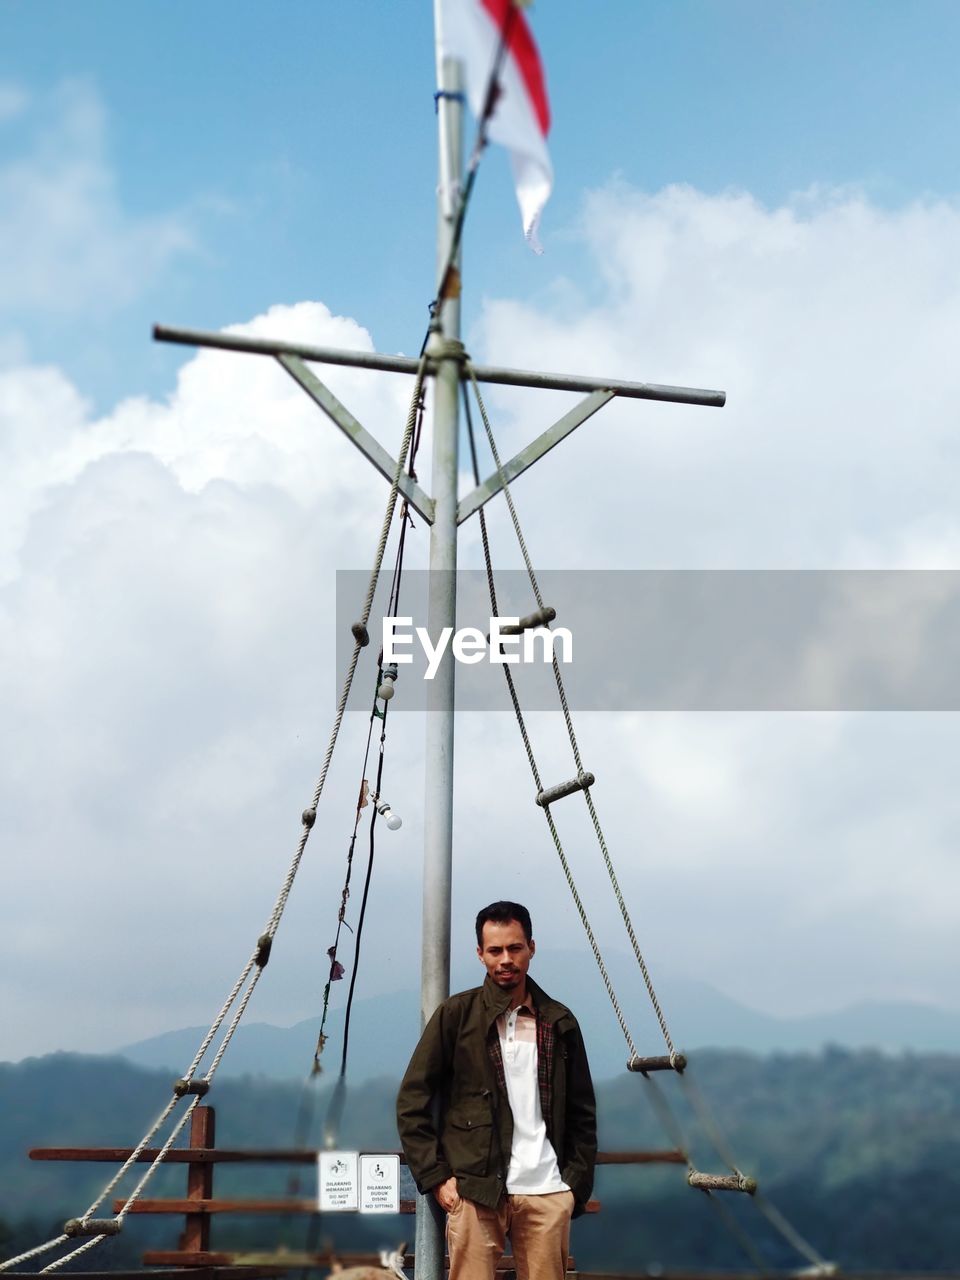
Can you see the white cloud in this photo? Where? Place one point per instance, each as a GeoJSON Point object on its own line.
{"type": "Point", "coordinates": [166, 650]}
{"type": "Point", "coordinates": [166, 637]}
{"type": "Point", "coordinates": [831, 324]}
{"type": "Point", "coordinates": [66, 241]}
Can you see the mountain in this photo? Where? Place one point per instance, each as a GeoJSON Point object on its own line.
{"type": "Point", "coordinates": [383, 1028]}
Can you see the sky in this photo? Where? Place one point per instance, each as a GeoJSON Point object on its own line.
{"type": "Point", "coordinates": [754, 196]}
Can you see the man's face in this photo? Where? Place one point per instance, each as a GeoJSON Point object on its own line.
{"type": "Point", "coordinates": [506, 953]}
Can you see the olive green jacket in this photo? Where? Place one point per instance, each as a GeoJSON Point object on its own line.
{"type": "Point", "coordinates": [455, 1120]}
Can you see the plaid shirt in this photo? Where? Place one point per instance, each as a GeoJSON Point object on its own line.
{"type": "Point", "coordinates": [545, 1048]}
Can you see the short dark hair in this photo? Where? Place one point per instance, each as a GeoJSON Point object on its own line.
{"type": "Point", "coordinates": [503, 913]}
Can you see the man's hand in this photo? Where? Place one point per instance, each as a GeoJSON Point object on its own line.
{"type": "Point", "coordinates": [446, 1195]}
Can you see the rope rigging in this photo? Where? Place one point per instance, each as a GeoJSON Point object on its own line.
{"type": "Point", "coordinates": [96, 1229]}
{"type": "Point", "coordinates": [194, 1087]}
{"type": "Point", "coordinates": [250, 974]}
{"type": "Point", "coordinates": [305, 1118]}
{"type": "Point", "coordinates": [706, 1183]}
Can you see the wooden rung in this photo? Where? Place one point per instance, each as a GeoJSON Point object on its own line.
{"type": "Point", "coordinates": [667, 1062]}
{"type": "Point", "coordinates": [580, 783]}
{"type": "Point", "coordinates": [252, 1206]}
{"type": "Point", "coordinates": [722, 1182]}
{"type": "Point", "coordinates": [199, 1088]}
{"type": "Point", "coordinates": [539, 618]}
{"type": "Point", "coordinates": [75, 1227]}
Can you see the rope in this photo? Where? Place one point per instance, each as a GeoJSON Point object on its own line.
{"type": "Point", "coordinates": [594, 946]}
{"type": "Point", "coordinates": [34, 1252]}
{"type": "Point", "coordinates": [661, 1105]}
{"type": "Point", "coordinates": [706, 1117]}
{"type": "Point", "coordinates": [720, 1144]}
{"type": "Point", "coordinates": [257, 960]}
{"type": "Point", "coordinates": [568, 720]}
{"type": "Point", "coordinates": [668, 1120]}
{"type": "Point", "coordinates": [138, 1189]}
{"type": "Point", "coordinates": [363, 910]}
{"type": "Point", "coordinates": [335, 1108]}
{"type": "Point", "coordinates": [671, 1126]}
{"type": "Point", "coordinates": [738, 1233]}
{"type": "Point", "coordinates": [74, 1253]}
{"type": "Point", "coordinates": [790, 1233]}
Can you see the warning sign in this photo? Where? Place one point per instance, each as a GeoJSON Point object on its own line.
{"type": "Point", "coordinates": [379, 1184]}
{"type": "Point", "coordinates": [337, 1178]}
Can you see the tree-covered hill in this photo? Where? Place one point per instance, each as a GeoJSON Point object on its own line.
{"type": "Point", "coordinates": [859, 1149]}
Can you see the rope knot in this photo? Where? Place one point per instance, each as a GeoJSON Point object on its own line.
{"type": "Point", "coordinates": [440, 348]}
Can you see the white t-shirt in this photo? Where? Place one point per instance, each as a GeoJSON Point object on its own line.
{"type": "Point", "coordinates": [533, 1168]}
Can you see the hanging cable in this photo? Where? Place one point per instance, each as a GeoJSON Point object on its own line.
{"type": "Point", "coordinates": [336, 1105]}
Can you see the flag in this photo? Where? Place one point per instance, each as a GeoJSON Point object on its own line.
{"type": "Point", "coordinates": [471, 30]}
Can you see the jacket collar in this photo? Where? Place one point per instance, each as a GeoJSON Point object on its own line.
{"type": "Point", "coordinates": [497, 1001]}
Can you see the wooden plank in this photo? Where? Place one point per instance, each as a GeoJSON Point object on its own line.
{"type": "Point", "coordinates": [195, 1237]}
{"type": "Point", "coordinates": [171, 1273]}
{"type": "Point", "coordinates": [180, 1258]}
{"type": "Point", "coordinates": [207, 1207]}
{"type": "Point", "coordinates": [225, 1155]}
{"type": "Point", "coordinates": [252, 1206]}
{"type": "Point", "coordinates": [176, 1155]}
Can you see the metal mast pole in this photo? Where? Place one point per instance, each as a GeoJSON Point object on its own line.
{"type": "Point", "coordinates": [441, 612]}
{"type": "Point", "coordinates": [444, 514]}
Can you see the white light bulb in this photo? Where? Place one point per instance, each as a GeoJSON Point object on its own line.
{"type": "Point", "coordinates": [386, 689]}
{"type": "Point", "coordinates": [393, 820]}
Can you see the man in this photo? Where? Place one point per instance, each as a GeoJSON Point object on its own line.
{"type": "Point", "coordinates": [496, 1112]}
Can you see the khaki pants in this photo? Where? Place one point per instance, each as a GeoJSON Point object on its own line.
{"type": "Point", "coordinates": [538, 1227]}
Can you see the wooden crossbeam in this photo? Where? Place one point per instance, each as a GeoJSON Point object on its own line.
{"type": "Point", "coordinates": [218, 1258]}
{"type": "Point", "coordinates": [226, 1155]}
{"type": "Point", "coordinates": [253, 1205]}
{"type": "Point", "coordinates": [200, 1204]}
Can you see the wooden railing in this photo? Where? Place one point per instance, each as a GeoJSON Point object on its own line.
{"type": "Point", "coordinates": [200, 1203]}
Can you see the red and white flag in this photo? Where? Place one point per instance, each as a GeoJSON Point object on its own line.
{"type": "Point", "coordinates": [471, 30]}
